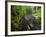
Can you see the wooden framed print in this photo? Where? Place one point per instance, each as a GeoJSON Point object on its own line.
{"type": "Point", "coordinates": [24, 18]}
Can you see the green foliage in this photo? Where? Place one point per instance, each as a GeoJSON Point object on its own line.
{"type": "Point", "coordinates": [18, 11]}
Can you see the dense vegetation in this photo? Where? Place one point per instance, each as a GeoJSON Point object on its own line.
{"type": "Point", "coordinates": [18, 11]}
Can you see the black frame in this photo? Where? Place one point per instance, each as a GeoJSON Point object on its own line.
{"type": "Point", "coordinates": [6, 16]}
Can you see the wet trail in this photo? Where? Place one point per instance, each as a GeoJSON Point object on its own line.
{"type": "Point", "coordinates": [28, 22]}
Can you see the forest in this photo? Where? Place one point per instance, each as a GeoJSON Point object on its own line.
{"type": "Point", "coordinates": [24, 18]}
